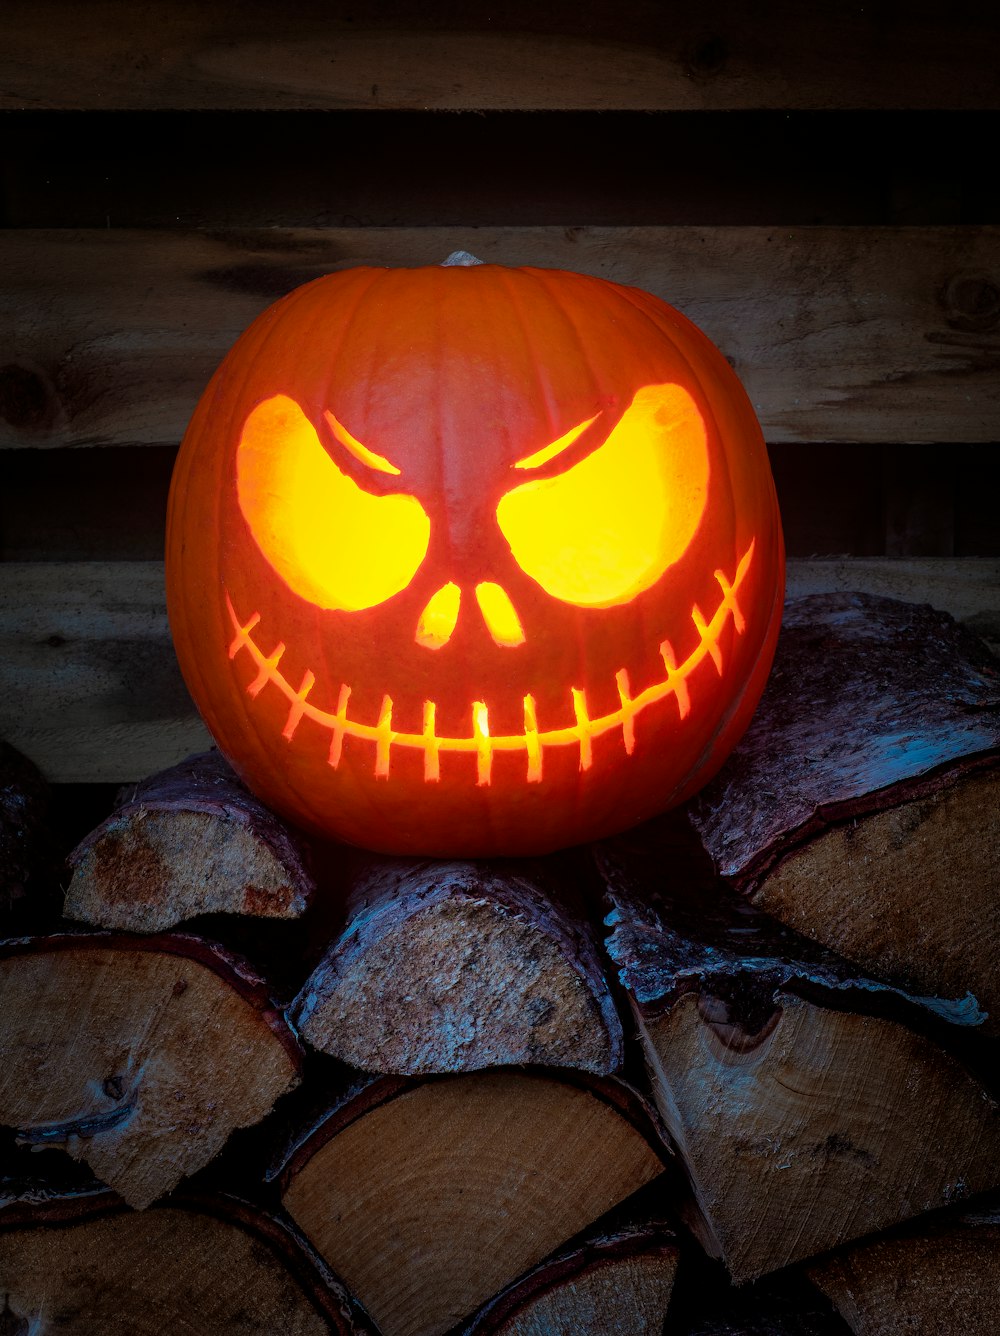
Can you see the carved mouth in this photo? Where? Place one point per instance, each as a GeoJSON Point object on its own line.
{"type": "Point", "coordinates": [533, 741]}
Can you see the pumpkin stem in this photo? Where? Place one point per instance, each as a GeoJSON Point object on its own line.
{"type": "Point", "coordinates": [462, 258]}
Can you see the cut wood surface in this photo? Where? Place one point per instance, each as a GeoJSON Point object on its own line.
{"type": "Point", "coordinates": [210, 1264]}
{"type": "Point", "coordinates": [606, 1285]}
{"type": "Point", "coordinates": [838, 333]}
{"type": "Point", "coordinates": [190, 840]}
{"type": "Point", "coordinates": [428, 1198]}
{"type": "Point", "coordinates": [138, 1056]}
{"type": "Point", "coordinates": [91, 692]}
{"type": "Point", "coordinates": [453, 966]}
{"type": "Point", "coordinates": [458, 58]}
{"type": "Point", "coordinates": [861, 806]}
{"type": "Point", "coordinates": [24, 834]}
{"type": "Point", "coordinates": [805, 1112]}
{"type": "Point", "coordinates": [935, 1278]}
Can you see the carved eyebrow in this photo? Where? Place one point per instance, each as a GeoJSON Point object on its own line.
{"type": "Point", "coordinates": [358, 450]}
{"type": "Point", "coordinates": [548, 452]}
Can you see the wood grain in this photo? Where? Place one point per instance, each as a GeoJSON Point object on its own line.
{"type": "Point", "coordinates": [137, 1055]}
{"type": "Point", "coordinates": [643, 56]}
{"type": "Point", "coordinates": [430, 1203]}
{"type": "Point", "coordinates": [84, 1262]}
{"type": "Point", "coordinates": [90, 690]}
{"type": "Point", "coordinates": [860, 334]}
{"type": "Point", "coordinates": [846, 1125]}
{"type": "Point", "coordinates": [935, 1278]}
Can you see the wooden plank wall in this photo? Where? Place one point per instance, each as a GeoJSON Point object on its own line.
{"type": "Point", "coordinates": [813, 185]}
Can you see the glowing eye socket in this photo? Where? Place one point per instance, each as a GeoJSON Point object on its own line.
{"type": "Point", "coordinates": [609, 527]}
{"type": "Point", "coordinates": [331, 542]}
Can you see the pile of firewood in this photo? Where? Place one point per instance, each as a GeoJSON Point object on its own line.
{"type": "Point", "coordinates": [731, 1072]}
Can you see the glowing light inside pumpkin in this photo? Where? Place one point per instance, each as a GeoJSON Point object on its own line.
{"type": "Point", "coordinates": [607, 528]}
{"type": "Point", "coordinates": [548, 452]}
{"type": "Point", "coordinates": [498, 612]}
{"type": "Point", "coordinates": [533, 741]}
{"type": "Point", "coordinates": [359, 451]}
{"type": "Point", "coordinates": [323, 534]}
{"type": "Point", "coordinates": [437, 621]}
{"type": "Point", "coordinates": [595, 535]}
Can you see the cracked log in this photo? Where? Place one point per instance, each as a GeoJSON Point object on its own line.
{"type": "Point", "coordinates": [861, 806]}
{"type": "Point", "coordinates": [24, 804]}
{"type": "Point", "coordinates": [455, 966]}
{"type": "Point", "coordinates": [427, 1197]}
{"type": "Point", "coordinates": [809, 1105]}
{"type": "Point", "coordinates": [138, 1056]}
{"type": "Point", "coordinates": [214, 1263]}
{"type": "Point", "coordinates": [190, 840]}
{"type": "Point", "coordinates": [939, 1277]}
{"type": "Point", "coordinates": [608, 1284]}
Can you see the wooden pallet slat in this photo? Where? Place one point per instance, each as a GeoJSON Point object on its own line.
{"type": "Point", "coordinates": [643, 56]}
{"type": "Point", "coordinates": [863, 334]}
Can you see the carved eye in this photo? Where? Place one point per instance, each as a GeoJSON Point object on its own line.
{"type": "Point", "coordinates": [609, 527]}
{"type": "Point", "coordinates": [331, 542]}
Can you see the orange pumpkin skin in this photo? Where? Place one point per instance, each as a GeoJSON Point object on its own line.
{"type": "Point", "coordinates": [473, 560]}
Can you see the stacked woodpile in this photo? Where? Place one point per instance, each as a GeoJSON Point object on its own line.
{"type": "Point", "coordinates": [733, 1073]}
{"type": "Point", "coordinates": [734, 1070]}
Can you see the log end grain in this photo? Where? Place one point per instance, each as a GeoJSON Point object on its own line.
{"type": "Point", "coordinates": [429, 1203]}
{"type": "Point", "coordinates": [205, 1263]}
{"type": "Point", "coordinates": [815, 1128]}
{"type": "Point", "coordinates": [138, 1056]}
{"type": "Point", "coordinates": [191, 840]}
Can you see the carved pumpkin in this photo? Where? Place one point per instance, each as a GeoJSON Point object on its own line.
{"type": "Point", "coordinates": [473, 560]}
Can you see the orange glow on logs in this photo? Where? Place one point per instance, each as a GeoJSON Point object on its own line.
{"type": "Point", "coordinates": [533, 740]}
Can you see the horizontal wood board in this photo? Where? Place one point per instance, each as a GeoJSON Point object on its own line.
{"type": "Point", "coordinates": [840, 334]}
{"type": "Point", "coordinates": [91, 692]}
{"type": "Point", "coordinates": [398, 54]}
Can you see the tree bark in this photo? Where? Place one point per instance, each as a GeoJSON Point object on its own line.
{"type": "Point", "coordinates": [189, 840]}
{"type": "Point", "coordinates": [455, 966]}
{"type": "Point", "coordinates": [861, 805]}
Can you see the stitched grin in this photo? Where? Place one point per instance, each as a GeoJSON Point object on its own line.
{"type": "Point", "coordinates": [532, 741]}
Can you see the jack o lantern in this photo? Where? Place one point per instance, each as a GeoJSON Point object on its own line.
{"type": "Point", "coordinates": [470, 560]}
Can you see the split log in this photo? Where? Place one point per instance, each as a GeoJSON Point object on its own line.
{"type": "Point", "coordinates": [938, 1278]}
{"type": "Point", "coordinates": [190, 840]}
{"type": "Point", "coordinates": [24, 803]}
{"type": "Point", "coordinates": [615, 1284]}
{"type": "Point", "coordinates": [861, 805]}
{"type": "Point", "coordinates": [138, 1056]}
{"type": "Point", "coordinates": [428, 1197]}
{"type": "Point", "coordinates": [455, 966]}
{"type": "Point", "coordinates": [809, 1105]}
{"type": "Point", "coordinates": [84, 1262]}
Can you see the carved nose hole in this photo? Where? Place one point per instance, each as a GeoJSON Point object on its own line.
{"type": "Point", "coordinates": [502, 621]}
{"type": "Point", "coordinates": [437, 621]}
